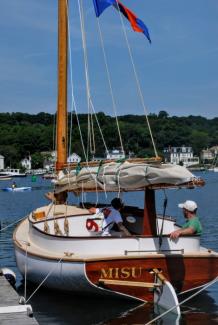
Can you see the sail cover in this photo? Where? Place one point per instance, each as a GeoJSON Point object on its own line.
{"type": "Point", "coordinates": [124, 176]}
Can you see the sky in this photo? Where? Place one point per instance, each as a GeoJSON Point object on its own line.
{"type": "Point", "coordinates": [178, 72]}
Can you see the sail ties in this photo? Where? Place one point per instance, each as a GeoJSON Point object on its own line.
{"type": "Point", "coordinates": [46, 225]}
{"type": "Point", "coordinates": [66, 222]}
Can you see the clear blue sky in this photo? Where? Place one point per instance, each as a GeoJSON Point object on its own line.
{"type": "Point", "coordinates": [178, 72]}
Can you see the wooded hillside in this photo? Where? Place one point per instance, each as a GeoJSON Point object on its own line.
{"type": "Point", "coordinates": [21, 134]}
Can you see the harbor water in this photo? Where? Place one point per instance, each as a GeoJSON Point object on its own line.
{"type": "Point", "coordinates": [54, 308]}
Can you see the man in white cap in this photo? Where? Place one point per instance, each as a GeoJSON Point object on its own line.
{"type": "Point", "coordinates": [192, 225]}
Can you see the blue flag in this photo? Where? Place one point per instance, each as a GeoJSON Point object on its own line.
{"type": "Point", "coordinates": [101, 5]}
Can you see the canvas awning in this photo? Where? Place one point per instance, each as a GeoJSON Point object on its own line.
{"type": "Point", "coordinates": [124, 176]}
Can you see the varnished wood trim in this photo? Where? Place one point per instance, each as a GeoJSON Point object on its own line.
{"type": "Point", "coordinates": [129, 283]}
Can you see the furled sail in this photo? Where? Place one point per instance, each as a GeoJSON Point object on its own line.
{"type": "Point", "coordinates": [126, 176]}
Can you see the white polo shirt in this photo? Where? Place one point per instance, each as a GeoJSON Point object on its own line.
{"type": "Point", "coordinates": [108, 222]}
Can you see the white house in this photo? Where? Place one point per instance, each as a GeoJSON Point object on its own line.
{"type": "Point", "coordinates": [49, 160]}
{"type": "Point", "coordinates": [74, 158]}
{"type": "Point", "coordinates": [214, 149]}
{"type": "Point", "coordinates": [207, 154]}
{"type": "Point", "coordinates": [180, 155]}
{"type": "Point", "coordinates": [115, 154]}
{"type": "Point", "coordinates": [2, 162]}
{"type": "Point", "coordinates": [26, 163]}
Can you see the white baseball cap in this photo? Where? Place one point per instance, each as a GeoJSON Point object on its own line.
{"type": "Point", "coordinates": [188, 205]}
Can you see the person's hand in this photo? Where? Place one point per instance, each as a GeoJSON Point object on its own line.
{"type": "Point", "coordinates": [175, 234]}
{"type": "Point", "coordinates": [92, 210]}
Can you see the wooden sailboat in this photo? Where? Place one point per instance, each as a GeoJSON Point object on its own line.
{"type": "Point", "coordinates": [54, 239]}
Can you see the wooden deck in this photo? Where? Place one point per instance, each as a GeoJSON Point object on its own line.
{"type": "Point", "coordinates": [10, 310]}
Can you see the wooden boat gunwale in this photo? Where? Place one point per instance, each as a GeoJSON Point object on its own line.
{"type": "Point", "coordinates": [106, 258]}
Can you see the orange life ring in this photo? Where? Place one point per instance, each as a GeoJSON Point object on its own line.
{"type": "Point", "coordinates": [91, 225]}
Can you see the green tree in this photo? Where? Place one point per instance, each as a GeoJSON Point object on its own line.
{"type": "Point", "coordinates": [37, 160]}
{"type": "Point", "coordinates": [199, 140]}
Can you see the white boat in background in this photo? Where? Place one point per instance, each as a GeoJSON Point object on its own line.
{"type": "Point", "coordinates": [215, 169]}
{"type": "Point", "coordinates": [5, 177]}
{"type": "Point", "coordinates": [66, 242]}
{"type": "Point", "coordinates": [12, 172]}
{"type": "Point", "coordinates": [17, 189]}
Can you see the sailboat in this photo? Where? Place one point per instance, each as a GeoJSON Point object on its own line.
{"type": "Point", "coordinates": [61, 245]}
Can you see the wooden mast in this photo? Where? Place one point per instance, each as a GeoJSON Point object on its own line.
{"type": "Point", "coordinates": [61, 134]}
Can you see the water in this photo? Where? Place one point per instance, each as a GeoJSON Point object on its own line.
{"type": "Point", "coordinates": [55, 308]}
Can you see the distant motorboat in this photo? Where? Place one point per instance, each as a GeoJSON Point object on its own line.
{"type": "Point", "coordinates": [17, 189]}
{"type": "Point", "coordinates": [5, 177]}
{"type": "Point", "coordinates": [11, 172]}
{"type": "Point", "coordinates": [215, 169]}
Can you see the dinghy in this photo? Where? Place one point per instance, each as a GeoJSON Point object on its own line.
{"type": "Point", "coordinates": [17, 189]}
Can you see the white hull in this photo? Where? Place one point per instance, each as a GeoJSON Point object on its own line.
{"type": "Point", "coordinates": [12, 173]}
{"type": "Point", "coordinates": [67, 258]}
{"type": "Point", "coordinates": [64, 276]}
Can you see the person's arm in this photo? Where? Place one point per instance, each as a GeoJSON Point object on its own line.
{"type": "Point", "coordinates": [123, 229]}
{"type": "Point", "coordinates": [186, 231]}
{"type": "Point", "coordinates": [92, 210]}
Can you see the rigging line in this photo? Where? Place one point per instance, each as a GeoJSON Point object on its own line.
{"type": "Point", "coordinates": [100, 130]}
{"type": "Point", "coordinates": [25, 272]}
{"type": "Point", "coordinates": [92, 149]}
{"type": "Point", "coordinates": [137, 82]}
{"type": "Point", "coordinates": [49, 273]}
{"type": "Point", "coordinates": [69, 51]}
{"type": "Point", "coordinates": [85, 54]}
{"type": "Point", "coordinates": [192, 289]}
{"type": "Point", "coordinates": [72, 92]}
{"type": "Point", "coordinates": [109, 82]}
{"type": "Point", "coordinates": [11, 224]}
{"type": "Point", "coordinates": [182, 302]}
{"type": "Point", "coordinates": [91, 134]}
{"type": "Point", "coordinates": [54, 131]}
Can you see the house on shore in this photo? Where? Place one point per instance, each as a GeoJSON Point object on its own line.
{"type": "Point", "coordinates": [115, 154]}
{"type": "Point", "coordinates": [180, 156]}
{"type": "Point", "coordinates": [74, 158]}
{"type": "Point", "coordinates": [26, 163]}
{"type": "Point", "coordinates": [2, 162]}
{"type": "Point", "coordinates": [209, 155]}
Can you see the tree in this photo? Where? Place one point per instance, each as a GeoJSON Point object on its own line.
{"type": "Point", "coordinates": [163, 115]}
{"type": "Point", "coordinates": [37, 160]}
{"type": "Point", "coordinates": [199, 140]}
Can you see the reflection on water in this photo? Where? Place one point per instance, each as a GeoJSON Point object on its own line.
{"type": "Point", "coordinates": [52, 308]}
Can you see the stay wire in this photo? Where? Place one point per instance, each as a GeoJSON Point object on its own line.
{"type": "Point", "coordinates": [182, 302]}
{"type": "Point", "coordinates": [137, 81]}
{"type": "Point", "coordinates": [49, 273]}
{"type": "Point", "coordinates": [110, 84]}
